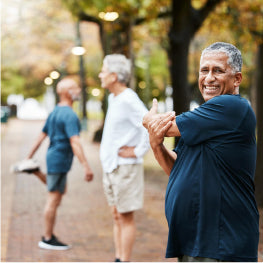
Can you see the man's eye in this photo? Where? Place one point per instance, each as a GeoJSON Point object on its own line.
{"type": "Point", "coordinates": [218, 70]}
{"type": "Point", "coordinates": [204, 70]}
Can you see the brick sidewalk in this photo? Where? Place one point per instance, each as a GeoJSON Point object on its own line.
{"type": "Point", "coordinates": [83, 220]}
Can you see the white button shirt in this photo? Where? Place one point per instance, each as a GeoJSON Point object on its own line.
{"type": "Point", "coordinates": [123, 127]}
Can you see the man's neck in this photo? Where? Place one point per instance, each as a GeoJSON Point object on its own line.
{"type": "Point", "coordinates": [65, 102]}
{"type": "Point", "coordinates": [119, 88]}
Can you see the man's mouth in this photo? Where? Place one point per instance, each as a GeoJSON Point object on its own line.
{"type": "Point", "coordinates": [210, 88]}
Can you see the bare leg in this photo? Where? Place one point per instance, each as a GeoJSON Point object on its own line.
{"type": "Point", "coordinates": [128, 231]}
{"type": "Point", "coordinates": [41, 176]}
{"type": "Point", "coordinates": [53, 201]}
{"type": "Point", "coordinates": [116, 232]}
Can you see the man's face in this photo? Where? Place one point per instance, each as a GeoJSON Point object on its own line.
{"type": "Point", "coordinates": [216, 77]}
{"type": "Point", "coordinates": [106, 77]}
{"type": "Point", "coordinates": [74, 92]}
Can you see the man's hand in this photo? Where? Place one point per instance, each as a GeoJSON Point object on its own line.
{"type": "Point", "coordinates": [151, 114]}
{"type": "Point", "coordinates": [126, 152]}
{"type": "Point", "coordinates": [158, 128]}
{"type": "Point", "coordinates": [88, 174]}
{"type": "Point", "coordinates": [154, 115]}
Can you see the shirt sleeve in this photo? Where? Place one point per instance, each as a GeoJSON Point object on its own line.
{"type": "Point", "coordinates": [214, 118]}
{"type": "Point", "coordinates": [45, 128]}
{"type": "Point", "coordinates": [72, 125]}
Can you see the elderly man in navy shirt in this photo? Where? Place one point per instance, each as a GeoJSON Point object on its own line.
{"type": "Point", "coordinates": [210, 204]}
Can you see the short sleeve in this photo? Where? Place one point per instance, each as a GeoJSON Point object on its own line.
{"type": "Point", "coordinates": [72, 125]}
{"type": "Point", "coordinates": [45, 128]}
{"type": "Point", "coordinates": [218, 116]}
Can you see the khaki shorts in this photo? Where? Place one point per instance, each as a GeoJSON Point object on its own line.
{"type": "Point", "coordinates": [124, 187]}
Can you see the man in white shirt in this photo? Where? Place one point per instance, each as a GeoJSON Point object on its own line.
{"type": "Point", "coordinates": [124, 143]}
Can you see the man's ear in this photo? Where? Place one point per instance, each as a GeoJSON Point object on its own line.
{"type": "Point", "coordinates": [238, 79]}
{"type": "Point", "coordinates": [114, 77]}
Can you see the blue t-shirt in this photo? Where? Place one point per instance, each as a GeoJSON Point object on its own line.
{"type": "Point", "coordinates": [62, 123]}
{"type": "Point", "coordinates": [210, 205]}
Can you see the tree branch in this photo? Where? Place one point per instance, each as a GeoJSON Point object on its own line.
{"type": "Point", "coordinates": [141, 20]}
{"type": "Point", "coordinates": [88, 18]}
{"type": "Point", "coordinates": [85, 17]}
{"type": "Point", "coordinates": [198, 17]}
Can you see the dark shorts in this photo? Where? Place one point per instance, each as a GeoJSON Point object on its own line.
{"type": "Point", "coordinates": [56, 182]}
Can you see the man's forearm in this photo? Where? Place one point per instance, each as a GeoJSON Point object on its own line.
{"type": "Point", "coordinates": [173, 130]}
{"type": "Point", "coordinates": [78, 150]}
{"type": "Point", "coordinates": [165, 158]}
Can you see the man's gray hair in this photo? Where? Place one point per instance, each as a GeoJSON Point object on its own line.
{"type": "Point", "coordinates": [119, 64]}
{"type": "Point", "coordinates": [234, 54]}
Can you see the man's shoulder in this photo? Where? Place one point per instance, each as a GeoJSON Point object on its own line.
{"type": "Point", "coordinates": [227, 98]}
{"type": "Point", "coordinates": [131, 96]}
{"type": "Point", "coordinates": [66, 113]}
{"type": "Point", "coordinates": [67, 109]}
{"type": "Point", "coordinates": [228, 101]}
{"type": "Point", "coordinates": [231, 107]}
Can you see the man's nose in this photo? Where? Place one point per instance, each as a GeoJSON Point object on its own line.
{"type": "Point", "coordinates": [210, 76]}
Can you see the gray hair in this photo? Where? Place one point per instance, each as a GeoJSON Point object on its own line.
{"type": "Point", "coordinates": [234, 54]}
{"type": "Point", "coordinates": [119, 64]}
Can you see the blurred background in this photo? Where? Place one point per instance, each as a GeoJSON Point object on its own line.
{"type": "Point", "coordinates": [44, 40]}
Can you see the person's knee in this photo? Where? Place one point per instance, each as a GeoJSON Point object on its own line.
{"type": "Point", "coordinates": [115, 215]}
{"type": "Point", "coordinates": [127, 218]}
{"type": "Point", "coordinates": [53, 201]}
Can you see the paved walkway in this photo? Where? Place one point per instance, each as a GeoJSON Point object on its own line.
{"type": "Point", "coordinates": [83, 220]}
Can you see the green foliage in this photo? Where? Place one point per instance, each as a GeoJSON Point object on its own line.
{"type": "Point", "coordinates": [151, 73]}
{"type": "Point", "coordinates": [15, 82]}
{"type": "Point", "coordinates": [12, 83]}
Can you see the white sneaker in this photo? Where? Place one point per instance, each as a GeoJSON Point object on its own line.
{"type": "Point", "coordinates": [25, 166]}
{"type": "Point", "coordinates": [53, 244]}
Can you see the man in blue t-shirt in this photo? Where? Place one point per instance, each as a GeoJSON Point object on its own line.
{"type": "Point", "coordinates": [210, 205]}
{"type": "Point", "coordinates": [63, 129]}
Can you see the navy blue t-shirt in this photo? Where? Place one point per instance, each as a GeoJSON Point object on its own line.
{"type": "Point", "coordinates": [62, 123]}
{"type": "Point", "coordinates": [210, 205]}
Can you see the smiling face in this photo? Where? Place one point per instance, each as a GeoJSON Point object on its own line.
{"type": "Point", "coordinates": [216, 77]}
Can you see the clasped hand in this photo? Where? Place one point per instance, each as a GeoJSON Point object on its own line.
{"type": "Point", "coordinates": [157, 124]}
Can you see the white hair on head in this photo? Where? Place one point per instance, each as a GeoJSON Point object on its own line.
{"type": "Point", "coordinates": [65, 84]}
{"type": "Point", "coordinates": [119, 64]}
{"type": "Point", "coordinates": [234, 54]}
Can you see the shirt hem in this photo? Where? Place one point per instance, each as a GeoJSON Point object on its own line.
{"type": "Point", "coordinates": [211, 255]}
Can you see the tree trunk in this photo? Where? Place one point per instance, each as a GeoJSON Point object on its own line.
{"type": "Point", "coordinates": [178, 70]}
{"type": "Point", "coordinates": [180, 36]}
{"type": "Point", "coordinates": [259, 113]}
